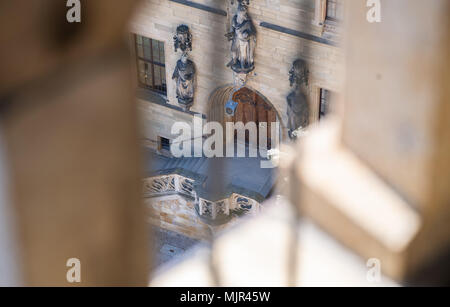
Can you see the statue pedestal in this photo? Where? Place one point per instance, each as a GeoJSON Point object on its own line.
{"type": "Point", "coordinates": [240, 79]}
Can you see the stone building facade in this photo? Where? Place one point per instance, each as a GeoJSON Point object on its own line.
{"type": "Point", "coordinates": [286, 31]}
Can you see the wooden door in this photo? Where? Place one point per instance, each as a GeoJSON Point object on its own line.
{"type": "Point", "coordinates": [252, 108]}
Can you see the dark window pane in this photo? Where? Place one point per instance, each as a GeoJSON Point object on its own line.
{"type": "Point", "coordinates": [147, 53]}
{"type": "Point", "coordinates": [140, 51]}
{"type": "Point", "coordinates": [150, 62]}
{"type": "Point", "coordinates": [141, 72]}
{"type": "Point", "coordinates": [162, 55]}
{"type": "Point", "coordinates": [138, 39]}
{"type": "Point", "coordinates": [158, 82]}
{"type": "Point", "coordinates": [146, 73]}
{"type": "Point", "coordinates": [163, 78]}
{"type": "Point", "coordinates": [155, 48]}
{"type": "Point", "coordinates": [149, 76]}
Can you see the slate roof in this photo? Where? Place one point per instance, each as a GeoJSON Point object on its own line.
{"type": "Point", "coordinates": [232, 175]}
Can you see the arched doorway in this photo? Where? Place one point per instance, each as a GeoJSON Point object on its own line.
{"type": "Point", "coordinates": [252, 107]}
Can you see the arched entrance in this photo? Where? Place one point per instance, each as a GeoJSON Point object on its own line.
{"type": "Point", "coordinates": [252, 107]}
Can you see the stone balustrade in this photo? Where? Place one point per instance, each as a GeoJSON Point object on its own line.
{"type": "Point", "coordinates": [169, 184]}
{"type": "Point", "coordinates": [211, 212]}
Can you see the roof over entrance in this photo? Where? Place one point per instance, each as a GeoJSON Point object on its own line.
{"type": "Point", "coordinates": [238, 175]}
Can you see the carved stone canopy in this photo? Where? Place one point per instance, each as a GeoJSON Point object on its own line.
{"type": "Point", "coordinates": [183, 39]}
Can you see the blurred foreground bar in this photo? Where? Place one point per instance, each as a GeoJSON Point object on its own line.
{"type": "Point", "coordinates": [380, 182]}
{"type": "Point", "coordinates": [70, 126]}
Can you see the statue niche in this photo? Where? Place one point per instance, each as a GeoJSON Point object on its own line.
{"type": "Point", "coordinates": [298, 107]}
{"type": "Point", "coordinates": [243, 37]}
{"type": "Point", "coordinates": [185, 78]}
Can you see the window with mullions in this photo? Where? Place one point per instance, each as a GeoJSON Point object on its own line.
{"type": "Point", "coordinates": [335, 10]}
{"type": "Point", "coordinates": [151, 64]}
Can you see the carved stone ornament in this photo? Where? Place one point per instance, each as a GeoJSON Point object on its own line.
{"type": "Point", "coordinates": [299, 73]}
{"type": "Point", "coordinates": [240, 80]}
{"type": "Point", "coordinates": [243, 37]}
{"type": "Point", "coordinates": [183, 39]}
{"type": "Point", "coordinates": [184, 75]}
{"type": "Point", "coordinates": [298, 107]}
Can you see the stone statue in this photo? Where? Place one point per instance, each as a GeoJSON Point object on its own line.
{"type": "Point", "coordinates": [185, 77]}
{"type": "Point", "coordinates": [298, 107]}
{"type": "Point", "coordinates": [183, 39]}
{"type": "Point", "coordinates": [243, 37]}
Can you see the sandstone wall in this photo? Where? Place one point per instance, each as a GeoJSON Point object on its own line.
{"type": "Point", "coordinates": [275, 52]}
{"type": "Point", "coordinates": [177, 214]}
